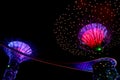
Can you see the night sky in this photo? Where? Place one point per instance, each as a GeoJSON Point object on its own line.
{"type": "Point", "coordinates": [33, 22]}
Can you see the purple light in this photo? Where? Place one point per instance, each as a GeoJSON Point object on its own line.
{"type": "Point", "coordinates": [88, 65]}
{"type": "Point", "coordinates": [21, 47]}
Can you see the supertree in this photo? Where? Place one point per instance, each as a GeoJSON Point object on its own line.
{"type": "Point", "coordinates": [88, 65]}
{"type": "Point", "coordinates": [90, 29]}
{"type": "Point", "coordinates": [83, 15]}
{"type": "Point", "coordinates": [101, 68]}
{"type": "Point", "coordinates": [13, 50]}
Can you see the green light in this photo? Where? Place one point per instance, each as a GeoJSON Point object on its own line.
{"type": "Point", "coordinates": [98, 48]}
{"type": "Point", "coordinates": [8, 66]}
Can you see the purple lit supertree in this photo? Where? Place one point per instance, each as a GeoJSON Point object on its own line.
{"type": "Point", "coordinates": [88, 65]}
{"type": "Point", "coordinates": [15, 58]}
{"type": "Point", "coordinates": [101, 68]}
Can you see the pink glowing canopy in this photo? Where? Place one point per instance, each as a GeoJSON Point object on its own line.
{"type": "Point", "coordinates": [93, 34]}
{"type": "Point", "coordinates": [21, 47]}
{"type": "Point", "coordinates": [93, 37]}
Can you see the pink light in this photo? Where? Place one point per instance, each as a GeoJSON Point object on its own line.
{"type": "Point", "coordinates": [93, 37]}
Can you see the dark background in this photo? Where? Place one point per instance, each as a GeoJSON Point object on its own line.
{"type": "Point", "coordinates": [33, 22]}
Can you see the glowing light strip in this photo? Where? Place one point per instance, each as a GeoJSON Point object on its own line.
{"type": "Point", "coordinates": [38, 60]}
{"type": "Point", "coordinates": [87, 66]}
{"type": "Point", "coordinates": [83, 66]}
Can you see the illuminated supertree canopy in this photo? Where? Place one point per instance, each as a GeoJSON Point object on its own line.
{"type": "Point", "coordinates": [21, 47]}
{"type": "Point", "coordinates": [88, 28]}
{"type": "Point", "coordinates": [15, 58]}
{"type": "Point", "coordinates": [93, 35]}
